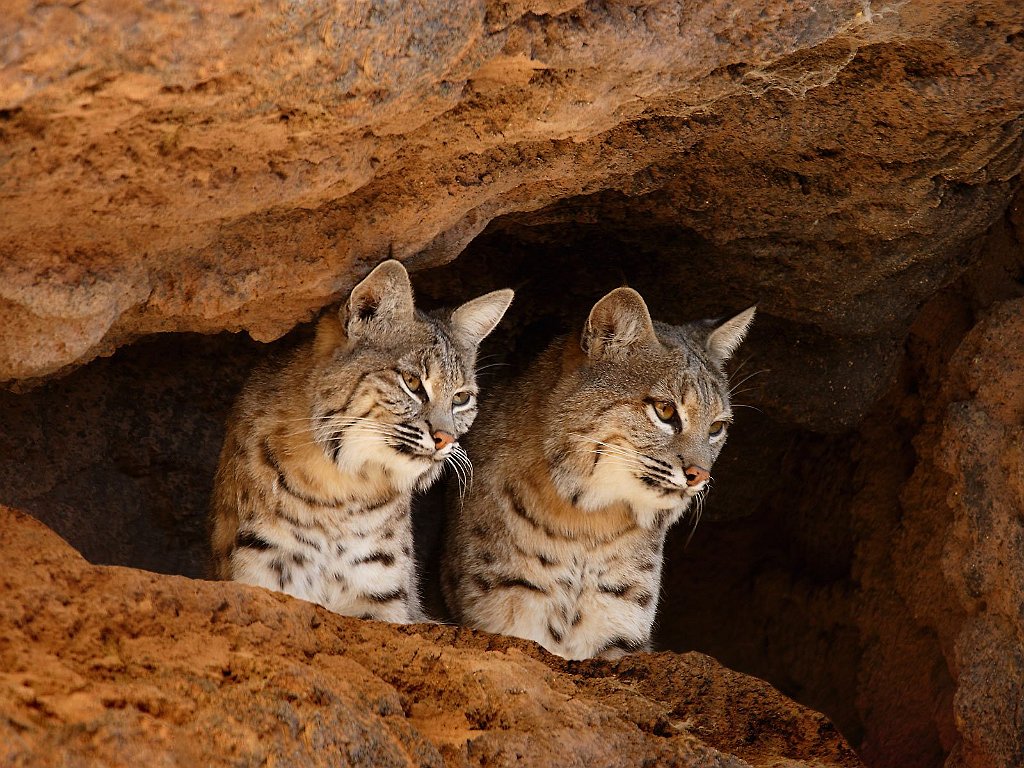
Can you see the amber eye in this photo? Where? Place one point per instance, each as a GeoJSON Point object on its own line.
{"type": "Point", "coordinates": [716, 428]}
{"type": "Point", "coordinates": [665, 410]}
{"type": "Point", "coordinates": [412, 381]}
{"type": "Point", "coordinates": [461, 398]}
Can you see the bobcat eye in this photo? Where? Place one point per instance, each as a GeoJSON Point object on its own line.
{"type": "Point", "coordinates": [716, 428]}
{"type": "Point", "coordinates": [665, 410]}
{"type": "Point", "coordinates": [413, 382]}
{"type": "Point", "coordinates": [461, 398]}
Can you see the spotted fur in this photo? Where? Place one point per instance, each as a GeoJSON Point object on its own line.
{"type": "Point", "coordinates": [323, 453]}
{"type": "Point", "coordinates": [561, 538]}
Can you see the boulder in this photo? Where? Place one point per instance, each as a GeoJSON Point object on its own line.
{"type": "Point", "coordinates": [178, 178]}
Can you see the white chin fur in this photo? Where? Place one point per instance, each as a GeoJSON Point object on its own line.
{"type": "Point", "coordinates": [693, 490]}
{"type": "Point", "coordinates": [612, 483]}
{"type": "Point", "coordinates": [368, 451]}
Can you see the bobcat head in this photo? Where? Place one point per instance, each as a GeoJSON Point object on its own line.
{"type": "Point", "coordinates": [640, 410]}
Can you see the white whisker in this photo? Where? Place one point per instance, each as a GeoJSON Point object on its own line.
{"type": "Point", "coordinates": [741, 391]}
{"type": "Point", "coordinates": [611, 447]}
{"type": "Point", "coordinates": [741, 365]}
{"type": "Point", "coordinates": [458, 474]}
{"type": "Point", "coordinates": [733, 387]}
{"type": "Point", "coordinates": [461, 457]}
{"type": "Point", "coordinates": [623, 464]}
{"type": "Point", "coordinates": [620, 461]}
{"type": "Point", "coordinates": [751, 407]}
{"type": "Point", "coordinates": [456, 460]}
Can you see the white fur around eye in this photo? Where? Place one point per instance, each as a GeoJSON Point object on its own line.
{"type": "Point", "coordinates": [721, 433]}
{"type": "Point", "coordinates": [468, 404]}
{"type": "Point", "coordinates": [668, 429]}
{"type": "Point", "coordinates": [413, 395]}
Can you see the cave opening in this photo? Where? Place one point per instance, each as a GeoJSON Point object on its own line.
{"type": "Point", "coordinates": [118, 457]}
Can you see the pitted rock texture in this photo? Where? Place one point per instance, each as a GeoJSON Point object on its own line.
{"type": "Point", "coordinates": [952, 585]}
{"type": "Point", "coordinates": [818, 566]}
{"type": "Point", "coordinates": [124, 667]}
{"type": "Point", "coordinates": [880, 580]}
{"type": "Point", "coordinates": [982, 447]}
{"type": "Point", "coordinates": [236, 165]}
{"type": "Point", "coordinates": [225, 165]}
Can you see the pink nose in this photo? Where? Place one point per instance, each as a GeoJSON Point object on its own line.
{"type": "Point", "coordinates": [442, 440]}
{"type": "Point", "coordinates": [696, 475]}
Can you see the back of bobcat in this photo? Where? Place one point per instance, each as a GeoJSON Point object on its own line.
{"type": "Point", "coordinates": [583, 463]}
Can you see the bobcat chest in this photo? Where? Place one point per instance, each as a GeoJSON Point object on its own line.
{"type": "Point", "coordinates": [598, 607]}
{"type": "Point", "coordinates": [361, 580]}
{"type": "Point", "coordinates": [361, 567]}
{"type": "Point", "coordinates": [575, 599]}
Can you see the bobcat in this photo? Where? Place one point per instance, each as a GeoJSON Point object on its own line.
{"type": "Point", "coordinates": [583, 463]}
{"type": "Point", "coordinates": [322, 455]}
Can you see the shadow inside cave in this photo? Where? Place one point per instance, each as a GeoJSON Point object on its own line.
{"type": "Point", "coordinates": [119, 456]}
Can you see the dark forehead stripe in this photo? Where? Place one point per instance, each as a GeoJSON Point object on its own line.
{"type": "Point", "coordinates": [706, 389]}
{"type": "Point", "coordinates": [443, 358]}
{"type": "Point", "coordinates": [695, 380]}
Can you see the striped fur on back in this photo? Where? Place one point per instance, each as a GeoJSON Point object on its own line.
{"type": "Point", "coordinates": [323, 452]}
{"type": "Point", "coordinates": [582, 465]}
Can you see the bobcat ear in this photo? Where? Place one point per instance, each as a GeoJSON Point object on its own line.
{"type": "Point", "coordinates": [383, 298]}
{"type": "Point", "coordinates": [618, 321]}
{"type": "Point", "coordinates": [722, 341]}
{"type": "Point", "coordinates": [475, 319]}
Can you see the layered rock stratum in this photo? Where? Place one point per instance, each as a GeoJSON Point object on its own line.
{"type": "Point", "coordinates": [237, 165]}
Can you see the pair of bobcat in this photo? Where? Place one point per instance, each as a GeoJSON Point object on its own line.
{"type": "Point", "coordinates": [583, 463]}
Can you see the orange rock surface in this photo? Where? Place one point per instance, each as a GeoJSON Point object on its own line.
{"type": "Point", "coordinates": [230, 164]}
{"type": "Point", "coordinates": [120, 667]}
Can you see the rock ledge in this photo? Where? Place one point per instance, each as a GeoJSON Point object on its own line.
{"type": "Point", "coordinates": [124, 667]}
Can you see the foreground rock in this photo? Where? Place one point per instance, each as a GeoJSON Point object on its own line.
{"type": "Point", "coordinates": [124, 668]}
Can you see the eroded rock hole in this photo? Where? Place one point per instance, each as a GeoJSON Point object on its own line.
{"type": "Point", "coordinates": [812, 549]}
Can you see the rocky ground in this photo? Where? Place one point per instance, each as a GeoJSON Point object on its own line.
{"type": "Point", "coordinates": [119, 667]}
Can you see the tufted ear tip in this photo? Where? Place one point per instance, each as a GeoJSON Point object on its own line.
{"type": "Point", "coordinates": [723, 341]}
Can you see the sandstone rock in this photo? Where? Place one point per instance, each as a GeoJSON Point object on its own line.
{"type": "Point", "coordinates": [853, 585]}
{"type": "Point", "coordinates": [236, 166]}
{"type": "Point", "coordinates": [981, 449]}
{"type": "Point", "coordinates": [124, 667]}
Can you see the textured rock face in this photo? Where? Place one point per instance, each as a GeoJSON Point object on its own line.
{"type": "Point", "coordinates": [881, 581]}
{"type": "Point", "coordinates": [235, 165]}
{"type": "Point", "coordinates": [963, 517]}
{"type": "Point", "coordinates": [226, 166]}
{"type": "Point", "coordinates": [123, 667]}
{"type": "Point", "coordinates": [982, 447]}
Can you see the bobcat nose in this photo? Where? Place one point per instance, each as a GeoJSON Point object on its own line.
{"type": "Point", "coordinates": [696, 475]}
{"type": "Point", "coordinates": [442, 440]}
